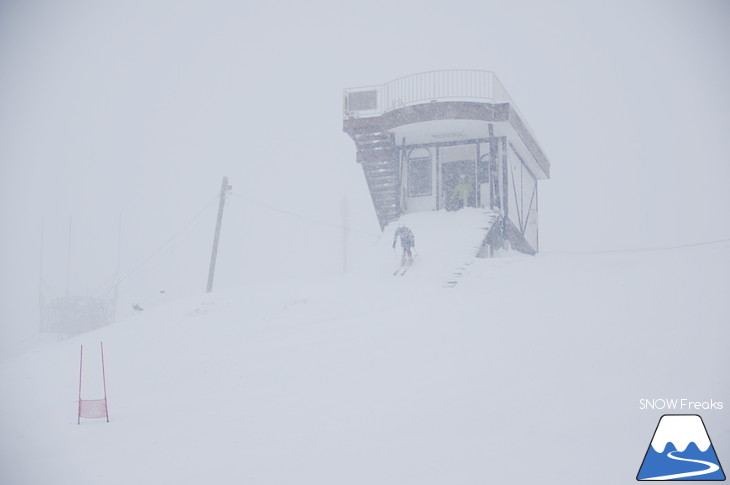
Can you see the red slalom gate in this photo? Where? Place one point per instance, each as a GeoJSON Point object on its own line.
{"type": "Point", "coordinates": [93, 408]}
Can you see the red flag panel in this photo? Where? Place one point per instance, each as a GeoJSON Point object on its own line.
{"type": "Point", "coordinates": [92, 408]}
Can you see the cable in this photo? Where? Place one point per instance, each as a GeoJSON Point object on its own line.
{"type": "Point", "coordinates": [175, 247]}
{"type": "Point", "coordinates": [638, 250]}
{"type": "Point", "coordinates": [168, 241]}
{"type": "Point", "coordinates": [294, 214]}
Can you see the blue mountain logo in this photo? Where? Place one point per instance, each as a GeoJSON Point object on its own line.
{"type": "Point", "coordinates": [681, 450]}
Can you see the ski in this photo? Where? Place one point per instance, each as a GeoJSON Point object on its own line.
{"type": "Point", "coordinates": [402, 268]}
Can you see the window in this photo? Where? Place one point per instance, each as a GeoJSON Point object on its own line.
{"type": "Point", "coordinates": [362, 101]}
{"type": "Point", "coordinates": [419, 176]}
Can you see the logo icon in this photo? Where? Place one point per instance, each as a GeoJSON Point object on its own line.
{"type": "Point", "coordinates": [680, 450]}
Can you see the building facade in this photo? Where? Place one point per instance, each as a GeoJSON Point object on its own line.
{"type": "Point", "coordinates": [445, 140]}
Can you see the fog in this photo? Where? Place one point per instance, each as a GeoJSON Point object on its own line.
{"type": "Point", "coordinates": [134, 111]}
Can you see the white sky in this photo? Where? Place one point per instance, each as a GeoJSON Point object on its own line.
{"type": "Point", "coordinates": [141, 107]}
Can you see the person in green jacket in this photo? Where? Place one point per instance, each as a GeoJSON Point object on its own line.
{"type": "Point", "coordinates": [463, 191]}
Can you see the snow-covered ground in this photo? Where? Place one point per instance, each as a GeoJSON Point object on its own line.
{"type": "Point", "coordinates": [529, 370]}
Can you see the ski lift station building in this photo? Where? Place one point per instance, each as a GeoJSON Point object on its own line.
{"type": "Point", "coordinates": [447, 139]}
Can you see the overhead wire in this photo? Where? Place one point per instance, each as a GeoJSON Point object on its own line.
{"type": "Point", "coordinates": [639, 250]}
{"type": "Point", "coordinates": [160, 248]}
{"type": "Point", "coordinates": [302, 216]}
{"type": "Point", "coordinates": [290, 213]}
{"type": "Point", "coordinates": [331, 224]}
{"type": "Point", "coordinates": [180, 241]}
{"type": "Point", "coordinates": [109, 281]}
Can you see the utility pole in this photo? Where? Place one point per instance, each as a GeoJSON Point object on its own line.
{"type": "Point", "coordinates": [211, 272]}
{"type": "Point", "coordinates": [345, 224]}
{"type": "Point", "coordinates": [40, 285]}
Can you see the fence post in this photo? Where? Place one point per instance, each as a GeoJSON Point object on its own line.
{"type": "Point", "coordinates": [81, 366]}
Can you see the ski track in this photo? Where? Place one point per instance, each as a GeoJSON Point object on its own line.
{"type": "Point", "coordinates": [712, 468]}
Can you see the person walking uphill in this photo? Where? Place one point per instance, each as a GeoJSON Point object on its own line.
{"type": "Point", "coordinates": [407, 241]}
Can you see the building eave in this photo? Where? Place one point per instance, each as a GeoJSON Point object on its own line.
{"type": "Point", "coordinates": [450, 110]}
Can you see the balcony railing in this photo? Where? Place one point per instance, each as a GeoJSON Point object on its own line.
{"type": "Point", "coordinates": [455, 85]}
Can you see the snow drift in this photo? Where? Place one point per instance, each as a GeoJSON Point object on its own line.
{"type": "Point", "coordinates": [528, 371]}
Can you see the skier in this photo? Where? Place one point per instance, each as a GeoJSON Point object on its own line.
{"type": "Point", "coordinates": [407, 241]}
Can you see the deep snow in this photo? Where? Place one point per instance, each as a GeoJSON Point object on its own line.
{"type": "Point", "coordinates": [529, 370]}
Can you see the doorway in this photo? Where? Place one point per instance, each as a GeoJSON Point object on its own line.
{"type": "Point", "coordinates": [458, 184]}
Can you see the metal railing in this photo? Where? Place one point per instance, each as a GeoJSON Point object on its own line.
{"type": "Point", "coordinates": [452, 85]}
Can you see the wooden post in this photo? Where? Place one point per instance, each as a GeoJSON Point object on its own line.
{"type": "Point", "coordinates": [119, 259]}
{"type": "Point", "coordinates": [40, 285]}
{"type": "Point", "coordinates": [345, 224]}
{"type": "Point", "coordinates": [211, 272]}
{"type": "Point", "coordinates": [68, 261]}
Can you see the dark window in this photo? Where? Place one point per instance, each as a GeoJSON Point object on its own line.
{"type": "Point", "coordinates": [419, 176]}
{"type": "Point", "coordinates": [364, 100]}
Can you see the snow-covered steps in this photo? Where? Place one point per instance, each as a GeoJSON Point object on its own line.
{"type": "Point", "coordinates": [491, 218]}
{"type": "Point", "coordinates": [458, 273]}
